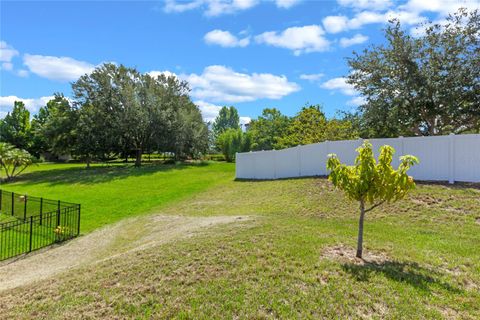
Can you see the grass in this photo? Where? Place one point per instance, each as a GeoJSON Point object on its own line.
{"type": "Point", "coordinates": [274, 265]}
{"type": "Point", "coordinates": [110, 193]}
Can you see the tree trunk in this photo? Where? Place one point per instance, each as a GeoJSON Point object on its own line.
{"type": "Point", "coordinates": [88, 162]}
{"type": "Point", "coordinates": [138, 159]}
{"type": "Point", "coordinates": [360, 230]}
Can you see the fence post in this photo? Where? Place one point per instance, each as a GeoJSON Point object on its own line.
{"type": "Point", "coordinates": [13, 203]}
{"type": "Point", "coordinates": [41, 210]}
{"type": "Point", "coordinates": [78, 223]}
{"type": "Point", "coordinates": [25, 208]}
{"type": "Point", "coordinates": [58, 217]}
{"type": "Point", "coordinates": [31, 233]}
{"type": "Point", "coordinates": [58, 213]}
{"type": "Point", "coordinates": [451, 158]}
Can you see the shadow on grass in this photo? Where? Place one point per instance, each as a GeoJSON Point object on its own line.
{"type": "Point", "coordinates": [98, 174]}
{"type": "Point", "coordinates": [406, 272]}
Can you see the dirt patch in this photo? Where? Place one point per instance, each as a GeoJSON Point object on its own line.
{"type": "Point", "coordinates": [477, 220]}
{"type": "Point", "coordinates": [126, 236]}
{"type": "Point", "coordinates": [347, 254]}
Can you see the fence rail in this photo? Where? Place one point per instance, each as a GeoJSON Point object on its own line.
{"type": "Point", "coordinates": [29, 223]}
{"type": "Point", "coordinates": [442, 158]}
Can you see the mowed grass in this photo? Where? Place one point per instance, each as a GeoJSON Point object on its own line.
{"type": "Point", "coordinates": [109, 193]}
{"type": "Point", "coordinates": [273, 265]}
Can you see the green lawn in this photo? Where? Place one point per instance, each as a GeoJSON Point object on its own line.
{"type": "Point", "coordinates": [272, 266]}
{"type": "Point", "coordinates": [110, 193]}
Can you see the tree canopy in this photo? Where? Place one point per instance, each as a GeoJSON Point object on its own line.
{"type": "Point", "coordinates": [422, 85]}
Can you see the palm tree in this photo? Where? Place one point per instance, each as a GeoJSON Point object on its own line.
{"type": "Point", "coordinates": [13, 160]}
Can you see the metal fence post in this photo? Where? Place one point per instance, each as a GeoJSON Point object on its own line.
{"type": "Point", "coordinates": [41, 210]}
{"type": "Point", "coordinates": [78, 222]}
{"type": "Point", "coordinates": [25, 209]}
{"type": "Point", "coordinates": [13, 203]}
{"type": "Point", "coordinates": [31, 233]}
{"type": "Point", "coordinates": [58, 217]}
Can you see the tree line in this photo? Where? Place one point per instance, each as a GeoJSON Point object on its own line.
{"type": "Point", "coordinates": [428, 84]}
{"type": "Point", "coordinates": [115, 112]}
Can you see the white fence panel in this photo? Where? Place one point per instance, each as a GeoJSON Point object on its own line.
{"type": "Point", "coordinates": [466, 155]}
{"type": "Point", "coordinates": [264, 164]}
{"type": "Point", "coordinates": [313, 159]}
{"type": "Point", "coordinates": [442, 158]}
{"type": "Point", "coordinates": [433, 153]}
{"type": "Point", "coordinates": [287, 163]}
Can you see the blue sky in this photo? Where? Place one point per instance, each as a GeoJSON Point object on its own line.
{"type": "Point", "coordinates": [247, 53]}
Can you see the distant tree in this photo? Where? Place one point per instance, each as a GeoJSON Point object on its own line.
{"type": "Point", "coordinates": [369, 182]}
{"type": "Point", "coordinates": [308, 126]}
{"type": "Point", "coordinates": [422, 85]}
{"type": "Point", "coordinates": [267, 129]}
{"type": "Point", "coordinates": [340, 129]}
{"type": "Point", "coordinates": [232, 141]}
{"type": "Point", "coordinates": [13, 161]}
{"type": "Point", "coordinates": [15, 127]}
{"type": "Point", "coordinates": [59, 121]}
{"type": "Point", "coordinates": [227, 119]}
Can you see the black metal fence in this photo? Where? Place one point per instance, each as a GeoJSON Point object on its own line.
{"type": "Point", "coordinates": [29, 223]}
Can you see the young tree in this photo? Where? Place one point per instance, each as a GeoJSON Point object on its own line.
{"type": "Point", "coordinates": [369, 182]}
{"type": "Point", "coordinates": [13, 161]}
{"type": "Point", "coordinates": [232, 141]}
{"type": "Point", "coordinates": [423, 85]}
{"type": "Point", "coordinates": [15, 127]}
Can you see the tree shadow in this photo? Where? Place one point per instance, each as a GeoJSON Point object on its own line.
{"type": "Point", "coordinates": [410, 273]}
{"type": "Point", "coordinates": [97, 174]}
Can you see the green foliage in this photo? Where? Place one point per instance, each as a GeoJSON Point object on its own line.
{"type": "Point", "coordinates": [56, 124]}
{"type": "Point", "coordinates": [15, 127]}
{"type": "Point", "coordinates": [13, 161]}
{"type": "Point", "coordinates": [267, 129]}
{"type": "Point", "coordinates": [370, 182]}
{"type": "Point", "coordinates": [423, 85]}
{"type": "Point", "coordinates": [227, 119]}
{"type": "Point", "coordinates": [232, 141]}
{"type": "Point", "coordinates": [307, 126]}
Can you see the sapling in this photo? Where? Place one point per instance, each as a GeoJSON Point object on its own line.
{"type": "Point", "coordinates": [370, 182]}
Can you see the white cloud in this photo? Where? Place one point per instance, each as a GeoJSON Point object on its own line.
{"type": "Point", "coordinates": [22, 73]}
{"type": "Point", "coordinates": [3, 114]}
{"type": "Point", "coordinates": [174, 6]}
{"type": "Point", "coordinates": [210, 112]}
{"type": "Point", "coordinates": [312, 76]}
{"type": "Point", "coordinates": [245, 120]}
{"type": "Point", "coordinates": [356, 101]}
{"type": "Point", "coordinates": [155, 73]}
{"type": "Point", "coordinates": [299, 39]}
{"type": "Point", "coordinates": [225, 39]}
{"type": "Point", "coordinates": [335, 24]}
{"type": "Point", "coordinates": [286, 3]}
{"type": "Point", "coordinates": [211, 7]}
{"type": "Point", "coordinates": [339, 84]}
{"type": "Point", "coordinates": [356, 39]}
{"type": "Point", "coordinates": [222, 84]}
{"type": "Point", "coordinates": [366, 4]}
{"type": "Point", "coordinates": [7, 52]}
{"type": "Point", "coordinates": [443, 7]}
{"type": "Point", "coordinates": [365, 17]}
{"type": "Point", "coordinates": [7, 66]}
{"type": "Point", "coordinates": [32, 104]}
{"type": "Point", "coordinates": [57, 68]}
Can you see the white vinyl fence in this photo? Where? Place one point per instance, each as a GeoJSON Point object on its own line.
{"type": "Point", "coordinates": [442, 158]}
